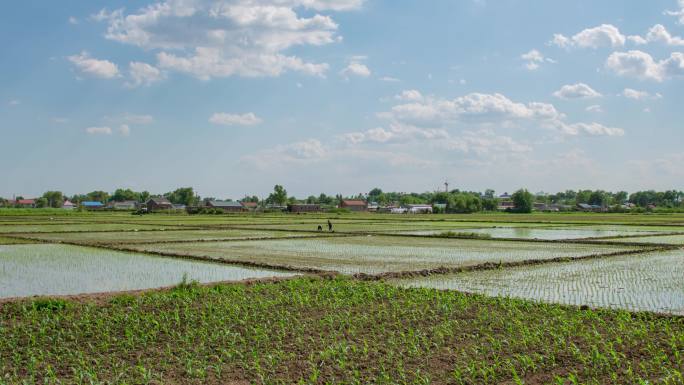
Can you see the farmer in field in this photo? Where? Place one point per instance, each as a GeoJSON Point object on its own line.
{"type": "Point", "coordinates": [320, 228]}
{"type": "Point", "coordinates": [330, 226]}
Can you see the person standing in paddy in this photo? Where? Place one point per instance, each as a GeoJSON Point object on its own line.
{"type": "Point", "coordinates": [330, 226]}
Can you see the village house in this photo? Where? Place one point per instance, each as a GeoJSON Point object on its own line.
{"type": "Point", "coordinates": [419, 209]}
{"type": "Point", "coordinates": [304, 208]}
{"type": "Point", "coordinates": [354, 205]}
{"type": "Point", "coordinates": [68, 205]}
{"type": "Point", "coordinates": [123, 205]}
{"type": "Point", "coordinates": [226, 206]}
{"type": "Point", "coordinates": [505, 205]}
{"type": "Point", "coordinates": [158, 203]}
{"type": "Point", "coordinates": [25, 203]}
{"type": "Point", "coordinates": [591, 208]}
{"type": "Point", "coordinates": [250, 205]}
{"type": "Point", "coordinates": [92, 205]}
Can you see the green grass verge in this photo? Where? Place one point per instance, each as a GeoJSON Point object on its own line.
{"type": "Point", "coordinates": [312, 330]}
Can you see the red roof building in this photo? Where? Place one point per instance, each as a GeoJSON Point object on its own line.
{"type": "Point", "coordinates": [249, 205]}
{"type": "Point", "coordinates": [27, 203]}
{"type": "Point", "coordinates": [354, 205]}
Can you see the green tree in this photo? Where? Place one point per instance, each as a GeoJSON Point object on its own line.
{"type": "Point", "coordinates": [583, 196]}
{"type": "Point", "coordinates": [98, 196]}
{"type": "Point", "coordinates": [42, 202]}
{"type": "Point", "coordinates": [183, 196]}
{"type": "Point", "coordinates": [490, 204]}
{"type": "Point", "coordinates": [620, 197]}
{"type": "Point", "coordinates": [121, 195]}
{"type": "Point", "coordinates": [464, 203]}
{"type": "Point", "coordinates": [278, 196]}
{"type": "Point", "coordinates": [54, 199]}
{"type": "Point", "coordinates": [410, 200]}
{"type": "Point", "coordinates": [598, 198]}
{"type": "Point", "coordinates": [144, 196]}
{"type": "Point", "coordinates": [374, 194]}
{"type": "Point", "coordinates": [440, 197]}
{"type": "Point", "coordinates": [523, 201]}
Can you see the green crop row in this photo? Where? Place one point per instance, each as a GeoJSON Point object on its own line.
{"type": "Point", "coordinates": [324, 331]}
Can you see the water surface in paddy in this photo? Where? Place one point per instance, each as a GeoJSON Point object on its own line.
{"type": "Point", "coordinates": [27, 270]}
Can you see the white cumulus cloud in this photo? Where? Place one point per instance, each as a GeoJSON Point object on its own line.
{"type": "Point", "coordinates": [604, 35]}
{"type": "Point", "coordinates": [576, 91]}
{"type": "Point", "coordinates": [534, 59]}
{"type": "Point", "coordinates": [592, 129]}
{"type": "Point", "coordinates": [594, 108]}
{"type": "Point", "coordinates": [658, 34]}
{"type": "Point", "coordinates": [641, 65]}
{"type": "Point", "coordinates": [226, 119]}
{"type": "Point", "coordinates": [222, 38]}
{"type": "Point", "coordinates": [678, 13]}
{"type": "Point", "coordinates": [429, 116]}
{"type": "Point", "coordinates": [124, 130]}
{"type": "Point", "coordinates": [356, 68]}
{"type": "Point", "coordinates": [143, 74]}
{"type": "Point", "coordinates": [409, 95]}
{"type": "Point", "coordinates": [631, 93]}
{"type": "Point", "coordinates": [89, 66]}
{"type": "Point", "coordinates": [104, 130]}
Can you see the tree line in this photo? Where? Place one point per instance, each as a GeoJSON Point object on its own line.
{"type": "Point", "coordinates": [454, 201]}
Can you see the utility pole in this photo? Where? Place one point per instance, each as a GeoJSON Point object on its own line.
{"type": "Point", "coordinates": [446, 186]}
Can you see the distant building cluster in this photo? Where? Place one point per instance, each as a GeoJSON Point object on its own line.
{"type": "Point", "coordinates": [362, 203]}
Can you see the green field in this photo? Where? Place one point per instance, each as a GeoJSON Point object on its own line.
{"type": "Point", "coordinates": [562, 299]}
{"type": "Point", "coordinates": [323, 331]}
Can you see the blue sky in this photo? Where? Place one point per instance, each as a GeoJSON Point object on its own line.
{"type": "Point", "coordinates": [340, 96]}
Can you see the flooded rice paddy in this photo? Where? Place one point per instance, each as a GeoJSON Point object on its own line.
{"type": "Point", "coordinates": [550, 233]}
{"type": "Point", "coordinates": [380, 254]}
{"type": "Point", "coordinates": [27, 270]}
{"type": "Point", "coordinates": [648, 282]}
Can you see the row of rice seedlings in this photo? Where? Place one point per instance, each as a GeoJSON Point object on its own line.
{"type": "Point", "coordinates": [649, 282]}
{"type": "Point", "coordinates": [332, 331]}
{"type": "Point", "coordinates": [27, 270]}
